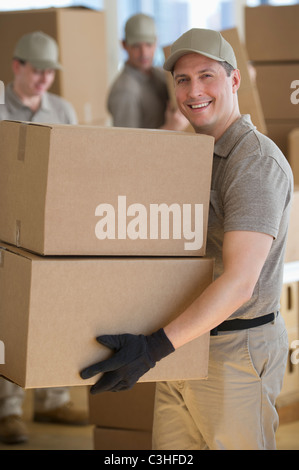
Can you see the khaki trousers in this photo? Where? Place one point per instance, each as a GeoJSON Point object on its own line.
{"type": "Point", "coordinates": [234, 409]}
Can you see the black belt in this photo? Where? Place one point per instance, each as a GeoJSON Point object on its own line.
{"type": "Point", "coordinates": [238, 324]}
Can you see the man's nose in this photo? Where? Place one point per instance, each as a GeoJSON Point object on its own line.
{"type": "Point", "coordinates": [195, 89]}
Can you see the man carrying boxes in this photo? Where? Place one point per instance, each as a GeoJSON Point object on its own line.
{"type": "Point", "coordinates": [252, 186]}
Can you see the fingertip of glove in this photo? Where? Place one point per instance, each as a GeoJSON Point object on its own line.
{"type": "Point", "coordinates": [93, 391]}
{"type": "Point", "coordinates": [84, 374]}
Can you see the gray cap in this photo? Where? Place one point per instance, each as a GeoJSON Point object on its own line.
{"type": "Point", "coordinates": [201, 41]}
{"type": "Point", "coordinates": [39, 49]}
{"type": "Point", "coordinates": [140, 28]}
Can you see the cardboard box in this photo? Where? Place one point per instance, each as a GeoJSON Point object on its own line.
{"type": "Point", "coordinates": [289, 305]}
{"type": "Point", "coordinates": [293, 153]}
{"type": "Point", "coordinates": [272, 32]}
{"type": "Point", "coordinates": [81, 37]}
{"type": "Point", "coordinates": [80, 190]}
{"type": "Point", "coordinates": [131, 409]}
{"type": "Point", "coordinates": [292, 247]}
{"type": "Point", "coordinates": [278, 130]}
{"type": "Point", "coordinates": [52, 309]}
{"type": "Point", "coordinates": [278, 91]}
{"type": "Point", "coordinates": [121, 439]}
{"type": "Point", "coordinates": [291, 377]}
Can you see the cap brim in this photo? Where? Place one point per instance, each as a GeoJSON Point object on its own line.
{"type": "Point", "coordinates": [43, 64]}
{"type": "Point", "coordinates": [173, 58]}
{"type": "Point", "coordinates": [137, 39]}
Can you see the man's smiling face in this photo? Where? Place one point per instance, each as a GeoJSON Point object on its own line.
{"type": "Point", "coordinates": [205, 94]}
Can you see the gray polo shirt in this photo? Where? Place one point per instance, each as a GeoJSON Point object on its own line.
{"type": "Point", "coordinates": [137, 99]}
{"type": "Point", "coordinates": [53, 109]}
{"type": "Point", "coordinates": [252, 186]}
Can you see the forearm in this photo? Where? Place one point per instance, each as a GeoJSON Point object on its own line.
{"type": "Point", "coordinates": [223, 297]}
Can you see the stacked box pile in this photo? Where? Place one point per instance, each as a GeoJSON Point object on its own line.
{"type": "Point", "coordinates": [103, 231]}
{"type": "Point", "coordinates": [293, 152]}
{"type": "Point", "coordinates": [272, 37]}
{"type": "Point", "coordinates": [290, 309]}
{"type": "Point", "coordinates": [81, 37]}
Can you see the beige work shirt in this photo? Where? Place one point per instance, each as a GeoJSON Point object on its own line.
{"type": "Point", "coordinates": [53, 109]}
{"type": "Point", "coordinates": [137, 99]}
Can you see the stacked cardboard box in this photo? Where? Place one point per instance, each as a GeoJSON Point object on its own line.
{"type": "Point", "coordinates": [104, 231]}
{"type": "Point", "coordinates": [292, 247]}
{"type": "Point", "coordinates": [290, 311]}
{"type": "Point", "coordinates": [272, 42]}
{"type": "Point", "coordinates": [123, 421]}
{"type": "Point", "coordinates": [81, 37]}
{"type": "Point", "coordinates": [293, 153]}
{"type": "Point", "coordinates": [249, 100]}
{"type": "Point", "coordinates": [289, 395]}
{"type": "Point", "coordinates": [272, 37]}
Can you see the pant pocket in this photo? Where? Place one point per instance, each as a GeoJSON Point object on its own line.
{"type": "Point", "coordinates": [267, 348]}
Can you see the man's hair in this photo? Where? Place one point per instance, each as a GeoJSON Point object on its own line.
{"type": "Point", "coordinates": [227, 67]}
{"type": "Point", "coordinates": [23, 62]}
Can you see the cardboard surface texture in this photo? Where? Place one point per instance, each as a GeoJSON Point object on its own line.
{"type": "Point", "coordinates": [80, 190]}
{"type": "Point", "coordinates": [131, 409]}
{"type": "Point", "coordinates": [279, 130]}
{"type": "Point", "coordinates": [281, 81]}
{"type": "Point", "coordinates": [272, 32]}
{"type": "Point", "coordinates": [81, 37]}
{"type": "Point", "coordinates": [121, 439]}
{"type": "Point", "coordinates": [52, 309]}
{"type": "Point", "coordinates": [292, 247]}
{"type": "Point", "coordinates": [293, 155]}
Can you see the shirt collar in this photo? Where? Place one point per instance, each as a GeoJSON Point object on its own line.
{"type": "Point", "coordinates": [224, 145]}
{"type": "Point", "coordinates": [17, 102]}
{"type": "Point", "coordinates": [145, 77]}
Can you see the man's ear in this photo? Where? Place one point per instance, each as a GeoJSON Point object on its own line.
{"type": "Point", "coordinates": [236, 80]}
{"type": "Point", "coordinates": [16, 66]}
{"type": "Point", "coordinates": [124, 45]}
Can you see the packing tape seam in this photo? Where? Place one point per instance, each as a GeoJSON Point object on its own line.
{"type": "Point", "coordinates": [2, 257]}
{"type": "Point", "coordinates": [22, 142]}
{"type": "Point", "coordinates": [18, 232]}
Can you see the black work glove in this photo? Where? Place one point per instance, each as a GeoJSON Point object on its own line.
{"type": "Point", "coordinates": [134, 356]}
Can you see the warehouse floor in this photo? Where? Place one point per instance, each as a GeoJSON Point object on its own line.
{"type": "Point", "coordinates": [58, 437]}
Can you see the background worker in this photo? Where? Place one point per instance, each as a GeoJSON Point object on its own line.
{"type": "Point", "coordinates": [251, 191]}
{"type": "Point", "coordinates": [139, 96]}
{"type": "Point", "coordinates": [27, 98]}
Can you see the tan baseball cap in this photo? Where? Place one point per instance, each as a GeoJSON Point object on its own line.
{"type": "Point", "coordinates": [39, 49]}
{"type": "Point", "coordinates": [140, 28]}
{"type": "Point", "coordinates": [201, 41]}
